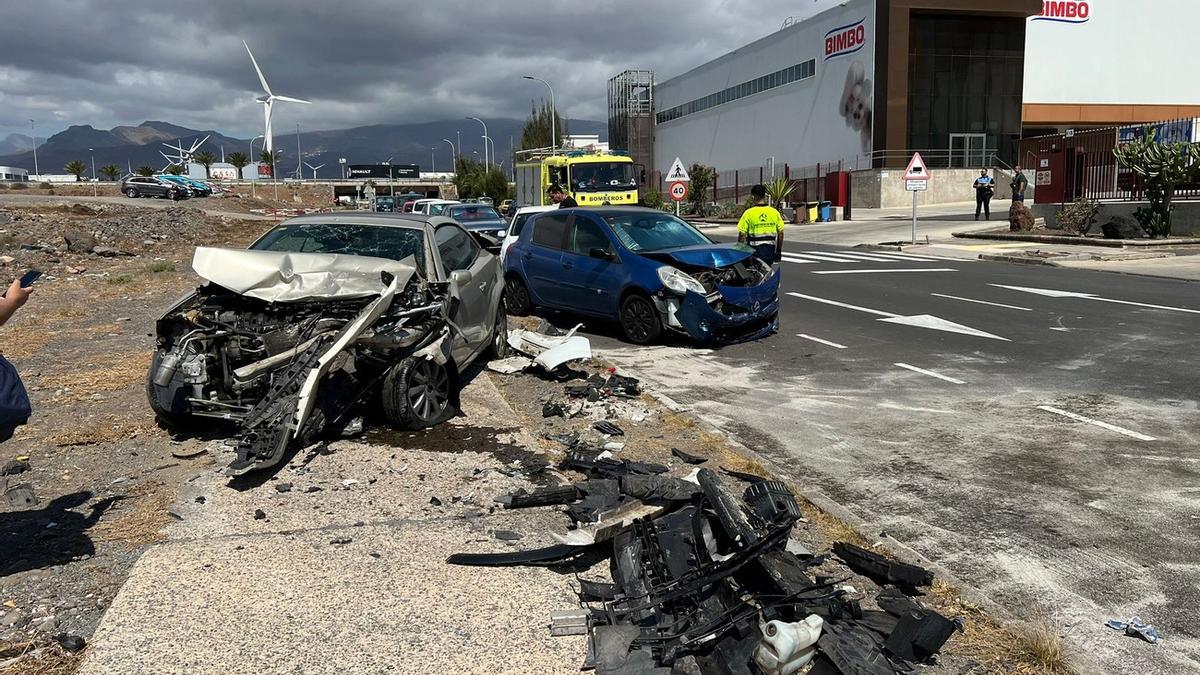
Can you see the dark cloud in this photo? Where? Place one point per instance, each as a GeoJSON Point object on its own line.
{"type": "Point", "coordinates": [360, 62]}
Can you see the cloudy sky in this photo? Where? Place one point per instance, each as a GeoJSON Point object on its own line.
{"type": "Point", "coordinates": [360, 61]}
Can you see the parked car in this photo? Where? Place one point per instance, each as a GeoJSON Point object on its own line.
{"type": "Point", "coordinates": [506, 208]}
{"type": "Point", "coordinates": [420, 205]}
{"type": "Point", "coordinates": [178, 181]}
{"type": "Point", "coordinates": [646, 269]}
{"type": "Point", "coordinates": [363, 313]}
{"type": "Point", "coordinates": [149, 186]}
{"type": "Point", "coordinates": [383, 204]}
{"type": "Point", "coordinates": [478, 218]}
{"type": "Point", "coordinates": [518, 223]}
{"type": "Point", "coordinates": [438, 208]}
{"type": "Point", "coordinates": [199, 187]}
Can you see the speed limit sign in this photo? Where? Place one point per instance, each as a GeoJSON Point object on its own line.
{"type": "Point", "coordinates": [679, 191]}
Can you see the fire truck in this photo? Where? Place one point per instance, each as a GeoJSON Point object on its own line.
{"type": "Point", "coordinates": [592, 178]}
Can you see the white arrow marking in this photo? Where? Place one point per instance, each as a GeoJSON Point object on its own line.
{"type": "Point", "coordinates": [980, 302]}
{"type": "Point", "coordinates": [1092, 296]}
{"type": "Point", "coordinates": [819, 340]}
{"type": "Point", "coordinates": [919, 320]}
{"type": "Point", "coordinates": [1102, 425]}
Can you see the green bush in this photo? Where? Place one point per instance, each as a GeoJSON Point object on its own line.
{"type": "Point", "coordinates": [120, 279]}
{"type": "Point", "coordinates": [652, 198]}
{"type": "Point", "coordinates": [160, 266]}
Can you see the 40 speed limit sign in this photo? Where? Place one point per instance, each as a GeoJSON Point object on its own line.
{"type": "Point", "coordinates": [679, 191]}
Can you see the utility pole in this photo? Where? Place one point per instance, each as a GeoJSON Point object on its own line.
{"type": "Point", "coordinates": [432, 161]}
{"type": "Point", "coordinates": [93, 151]}
{"type": "Point", "coordinates": [553, 114]}
{"type": "Point", "coordinates": [35, 164]}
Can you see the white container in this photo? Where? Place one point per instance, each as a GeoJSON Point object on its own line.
{"type": "Point", "coordinates": [787, 647]}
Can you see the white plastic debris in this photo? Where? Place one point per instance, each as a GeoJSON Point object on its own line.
{"type": "Point", "coordinates": [550, 351]}
{"type": "Point", "coordinates": [787, 647]}
{"type": "Point", "coordinates": [513, 364]}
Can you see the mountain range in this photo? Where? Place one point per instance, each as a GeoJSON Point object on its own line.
{"type": "Point", "coordinates": [134, 146]}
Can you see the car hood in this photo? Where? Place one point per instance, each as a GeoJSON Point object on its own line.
{"type": "Point", "coordinates": [275, 276]}
{"type": "Point", "coordinates": [711, 256]}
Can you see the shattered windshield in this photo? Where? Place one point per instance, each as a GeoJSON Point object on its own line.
{"type": "Point", "coordinates": [469, 214]}
{"type": "Point", "coordinates": [598, 176]}
{"type": "Point", "coordinates": [654, 232]}
{"type": "Point", "coordinates": [394, 243]}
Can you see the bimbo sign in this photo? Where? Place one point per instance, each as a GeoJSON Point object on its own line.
{"type": "Point", "coordinates": [845, 40]}
{"type": "Point", "coordinates": [1066, 11]}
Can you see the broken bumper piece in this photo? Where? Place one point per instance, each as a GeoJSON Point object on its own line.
{"type": "Point", "coordinates": [733, 313]}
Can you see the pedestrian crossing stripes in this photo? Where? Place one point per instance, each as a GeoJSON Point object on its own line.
{"type": "Point", "coordinates": [855, 257]}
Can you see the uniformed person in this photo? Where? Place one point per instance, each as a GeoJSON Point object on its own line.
{"type": "Point", "coordinates": [761, 227]}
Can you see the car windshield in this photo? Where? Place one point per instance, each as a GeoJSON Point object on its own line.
{"type": "Point", "coordinates": [395, 243]}
{"type": "Point", "coordinates": [654, 232]}
{"type": "Point", "coordinates": [473, 212]}
{"type": "Point", "coordinates": [385, 200]}
{"type": "Point", "coordinates": [597, 176]}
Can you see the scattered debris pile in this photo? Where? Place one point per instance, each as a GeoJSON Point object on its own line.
{"type": "Point", "coordinates": [705, 581]}
{"type": "Point", "coordinates": [546, 348]}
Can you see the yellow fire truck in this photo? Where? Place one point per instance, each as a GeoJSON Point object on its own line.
{"type": "Point", "coordinates": [591, 178]}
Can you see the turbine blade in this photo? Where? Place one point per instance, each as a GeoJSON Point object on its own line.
{"type": "Point", "coordinates": [258, 70]}
{"type": "Point", "coordinates": [290, 99]}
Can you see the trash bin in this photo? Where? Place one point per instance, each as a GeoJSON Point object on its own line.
{"type": "Point", "coordinates": [811, 212]}
{"type": "Point", "coordinates": [826, 212]}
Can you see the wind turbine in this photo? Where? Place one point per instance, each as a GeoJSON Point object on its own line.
{"type": "Point", "coordinates": [182, 157]}
{"type": "Point", "coordinates": [314, 168]}
{"type": "Point", "coordinates": [268, 101]}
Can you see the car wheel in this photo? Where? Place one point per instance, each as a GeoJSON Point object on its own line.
{"type": "Point", "coordinates": [416, 393]}
{"type": "Point", "coordinates": [131, 193]}
{"type": "Point", "coordinates": [498, 349]}
{"type": "Point", "coordinates": [639, 319]}
{"type": "Point", "coordinates": [516, 297]}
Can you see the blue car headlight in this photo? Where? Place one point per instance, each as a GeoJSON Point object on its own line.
{"type": "Point", "coordinates": [679, 282]}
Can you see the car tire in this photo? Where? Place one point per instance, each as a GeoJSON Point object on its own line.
{"type": "Point", "coordinates": [498, 347]}
{"type": "Point", "coordinates": [416, 394]}
{"type": "Point", "coordinates": [131, 193]}
{"type": "Point", "coordinates": [639, 319]}
{"type": "Point", "coordinates": [516, 297]}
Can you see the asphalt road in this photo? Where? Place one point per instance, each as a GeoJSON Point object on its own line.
{"type": "Point", "coordinates": [1041, 445]}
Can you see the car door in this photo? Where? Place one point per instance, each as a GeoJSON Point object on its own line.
{"type": "Point", "coordinates": [542, 259]}
{"type": "Point", "coordinates": [592, 274]}
{"type": "Point", "coordinates": [472, 288]}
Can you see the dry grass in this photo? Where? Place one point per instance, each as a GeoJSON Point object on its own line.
{"type": "Point", "coordinates": [674, 422]}
{"type": "Point", "coordinates": [139, 519]}
{"type": "Point", "coordinates": [112, 372]}
{"type": "Point", "coordinates": [105, 431]}
{"type": "Point", "coordinates": [833, 529]}
{"type": "Point", "coordinates": [41, 656]}
{"type": "Point", "coordinates": [1033, 647]}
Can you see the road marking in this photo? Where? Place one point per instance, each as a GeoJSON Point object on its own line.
{"type": "Point", "coordinates": [799, 261]}
{"type": "Point", "coordinates": [1102, 425]}
{"type": "Point", "coordinates": [919, 320]}
{"type": "Point", "coordinates": [855, 257]}
{"type": "Point", "coordinates": [1050, 293]}
{"type": "Point", "coordinates": [981, 302]}
{"type": "Point", "coordinates": [835, 303]}
{"type": "Point", "coordinates": [930, 373]}
{"type": "Point", "coordinates": [824, 342]}
{"type": "Point", "coordinates": [820, 257]}
{"type": "Point", "coordinates": [923, 256]}
{"type": "Point", "coordinates": [885, 271]}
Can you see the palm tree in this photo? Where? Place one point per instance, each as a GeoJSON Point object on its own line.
{"type": "Point", "coordinates": [206, 159]}
{"type": "Point", "coordinates": [110, 171]}
{"type": "Point", "coordinates": [174, 170]}
{"type": "Point", "coordinates": [144, 170]}
{"type": "Point", "coordinates": [77, 168]}
{"type": "Point", "coordinates": [239, 160]}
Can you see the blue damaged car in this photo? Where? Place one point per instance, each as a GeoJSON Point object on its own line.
{"type": "Point", "coordinates": [646, 269]}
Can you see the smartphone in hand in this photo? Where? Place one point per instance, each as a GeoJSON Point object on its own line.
{"type": "Point", "coordinates": [30, 277]}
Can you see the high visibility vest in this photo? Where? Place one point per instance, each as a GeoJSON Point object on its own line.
{"type": "Point", "coordinates": [761, 225]}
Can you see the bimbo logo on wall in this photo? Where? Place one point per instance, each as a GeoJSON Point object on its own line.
{"type": "Point", "coordinates": [1067, 11]}
{"type": "Point", "coordinates": [845, 40]}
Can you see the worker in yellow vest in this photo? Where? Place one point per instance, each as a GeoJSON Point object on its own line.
{"type": "Point", "coordinates": [761, 227]}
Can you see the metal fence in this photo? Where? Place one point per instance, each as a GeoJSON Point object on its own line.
{"type": "Point", "coordinates": [1089, 168]}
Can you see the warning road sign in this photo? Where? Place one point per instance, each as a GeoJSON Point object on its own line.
{"type": "Point", "coordinates": [677, 172]}
{"type": "Point", "coordinates": [679, 191]}
{"type": "Point", "coordinates": [916, 169]}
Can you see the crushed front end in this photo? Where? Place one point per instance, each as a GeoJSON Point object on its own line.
{"type": "Point", "coordinates": [734, 298]}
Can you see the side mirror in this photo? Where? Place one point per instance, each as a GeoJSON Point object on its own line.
{"type": "Point", "coordinates": [461, 277]}
{"type": "Point", "coordinates": [601, 253]}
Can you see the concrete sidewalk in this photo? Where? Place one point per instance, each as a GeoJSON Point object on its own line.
{"type": "Point", "coordinates": [936, 226]}
{"type": "Point", "coordinates": [347, 572]}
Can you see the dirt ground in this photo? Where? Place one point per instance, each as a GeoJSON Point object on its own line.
{"type": "Point", "coordinates": [248, 198]}
{"type": "Point", "coordinates": [108, 479]}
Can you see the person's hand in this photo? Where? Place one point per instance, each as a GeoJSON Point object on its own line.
{"type": "Point", "coordinates": [17, 296]}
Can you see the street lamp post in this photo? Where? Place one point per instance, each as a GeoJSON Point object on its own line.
{"type": "Point", "coordinates": [553, 114]}
{"type": "Point", "coordinates": [486, 164]}
{"type": "Point", "coordinates": [432, 161]}
{"type": "Point", "coordinates": [453, 155]}
{"type": "Point", "coordinates": [93, 151]}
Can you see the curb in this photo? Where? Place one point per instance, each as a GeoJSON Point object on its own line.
{"type": "Point", "coordinates": [1030, 260]}
{"type": "Point", "coordinates": [1076, 241]}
